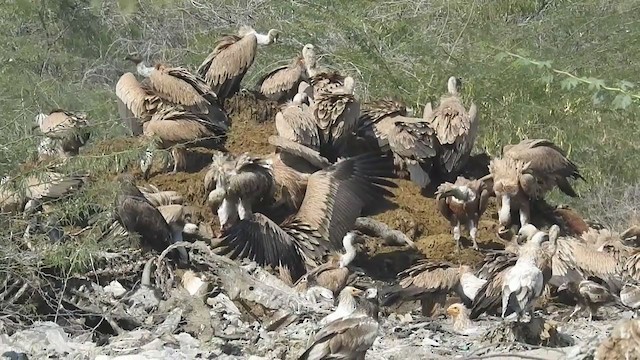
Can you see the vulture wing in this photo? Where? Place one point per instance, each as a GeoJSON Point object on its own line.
{"type": "Point", "coordinates": [337, 195]}
{"type": "Point", "coordinates": [137, 215]}
{"type": "Point", "coordinates": [282, 81]}
{"type": "Point", "coordinates": [260, 239]}
{"type": "Point", "coordinates": [296, 123]}
{"type": "Point", "coordinates": [344, 339]}
{"type": "Point", "coordinates": [225, 67]}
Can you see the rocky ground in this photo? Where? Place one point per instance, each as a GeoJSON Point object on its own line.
{"type": "Point", "coordinates": [244, 313]}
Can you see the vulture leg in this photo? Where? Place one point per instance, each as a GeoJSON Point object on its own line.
{"type": "Point", "coordinates": [504, 215]}
{"type": "Point", "coordinates": [179, 158]}
{"type": "Point", "coordinates": [473, 231]}
{"type": "Point", "coordinates": [244, 209]}
{"type": "Point", "coordinates": [145, 163]}
{"type": "Point", "coordinates": [227, 212]}
{"type": "Point", "coordinates": [457, 234]}
{"type": "Point", "coordinates": [525, 213]}
{"type": "Point", "coordinates": [575, 310]}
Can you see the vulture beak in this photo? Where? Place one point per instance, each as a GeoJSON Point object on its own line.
{"type": "Point", "coordinates": [357, 292]}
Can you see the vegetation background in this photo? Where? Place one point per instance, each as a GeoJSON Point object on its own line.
{"type": "Point", "coordinates": [564, 70]}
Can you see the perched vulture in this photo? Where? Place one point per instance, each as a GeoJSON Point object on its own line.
{"type": "Point", "coordinates": [65, 132]}
{"type": "Point", "coordinates": [173, 109]}
{"type": "Point", "coordinates": [237, 183]}
{"type": "Point", "coordinates": [334, 274]}
{"type": "Point", "coordinates": [456, 130]}
{"type": "Point", "coordinates": [463, 203]}
{"type": "Point", "coordinates": [295, 121]}
{"type": "Point", "coordinates": [336, 114]}
{"type": "Point", "coordinates": [333, 200]}
{"type": "Point", "coordinates": [431, 282]}
{"type": "Point", "coordinates": [282, 83]}
{"type": "Point", "coordinates": [160, 198]}
{"type": "Point", "coordinates": [524, 282]}
{"type": "Point", "coordinates": [527, 171]}
{"type": "Point", "coordinates": [225, 67]}
{"type": "Point", "coordinates": [349, 337]}
{"type": "Point", "coordinates": [384, 123]}
{"type": "Point", "coordinates": [178, 130]}
{"type": "Point", "coordinates": [137, 215]}
{"type": "Point", "coordinates": [32, 190]}
{"type": "Point", "coordinates": [622, 344]}
{"type": "Point", "coordinates": [589, 295]}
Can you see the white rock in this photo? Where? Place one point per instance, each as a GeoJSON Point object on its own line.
{"type": "Point", "coordinates": [115, 289]}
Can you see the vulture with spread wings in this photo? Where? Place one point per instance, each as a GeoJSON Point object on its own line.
{"type": "Point", "coordinates": [334, 198]}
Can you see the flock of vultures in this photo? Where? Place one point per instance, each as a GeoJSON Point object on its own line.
{"type": "Point", "coordinates": [300, 211]}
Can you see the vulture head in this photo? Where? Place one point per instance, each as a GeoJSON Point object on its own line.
{"type": "Point", "coordinates": [453, 85]}
{"type": "Point", "coordinates": [631, 236]}
{"type": "Point", "coordinates": [40, 118]}
{"type": "Point", "coordinates": [526, 233]}
{"type": "Point", "coordinates": [273, 36]}
{"type": "Point", "coordinates": [142, 69]}
{"type": "Point", "coordinates": [309, 56]}
{"type": "Point", "coordinates": [349, 85]}
{"type": "Point", "coordinates": [460, 316]}
{"type": "Point", "coordinates": [509, 177]}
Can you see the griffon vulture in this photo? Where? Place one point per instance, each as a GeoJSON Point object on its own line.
{"type": "Point", "coordinates": [137, 215]}
{"type": "Point", "coordinates": [296, 122]}
{"type": "Point", "coordinates": [431, 282]}
{"type": "Point", "coordinates": [237, 183]}
{"type": "Point", "coordinates": [65, 132]}
{"type": "Point", "coordinates": [282, 83]}
{"type": "Point", "coordinates": [463, 203]}
{"type": "Point", "coordinates": [334, 198]}
{"type": "Point", "coordinates": [527, 171]}
{"type": "Point", "coordinates": [175, 109]}
{"type": "Point", "coordinates": [349, 337]}
{"type": "Point", "coordinates": [225, 67]}
{"type": "Point", "coordinates": [336, 115]}
{"type": "Point", "coordinates": [622, 344]}
{"type": "Point", "coordinates": [412, 141]}
{"type": "Point", "coordinates": [32, 190]}
{"type": "Point", "coordinates": [455, 127]}
{"type": "Point", "coordinates": [589, 295]}
{"type": "Point", "coordinates": [334, 273]}
{"type": "Point", "coordinates": [178, 130]}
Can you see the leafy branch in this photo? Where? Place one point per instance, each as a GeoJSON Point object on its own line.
{"type": "Point", "coordinates": [624, 94]}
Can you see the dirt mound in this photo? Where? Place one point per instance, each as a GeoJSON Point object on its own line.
{"type": "Point", "coordinates": [415, 214]}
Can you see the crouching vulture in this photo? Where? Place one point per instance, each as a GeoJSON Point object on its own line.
{"type": "Point", "coordinates": [138, 215]}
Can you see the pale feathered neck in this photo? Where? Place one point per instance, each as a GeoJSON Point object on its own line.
{"type": "Point", "coordinates": [350, 250]}
{"type": "Point", "coordinates": [261, 39]}
{"type": "Point", "coordinates": [452, 85]}
{"type": "Point", "coordinates": [462, 193]}
{"type": "Point", "coordinates": [310, 60]}
{"type": "Point", "coordinates": [349, 85]}
{"type": "Point", "coordinates": [40, 119]}
{"type": "Point", "coordinates": [144, 70]}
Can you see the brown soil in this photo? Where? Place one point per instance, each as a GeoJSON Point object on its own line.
{"type": "Point", "coordinates": [433, 240]}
